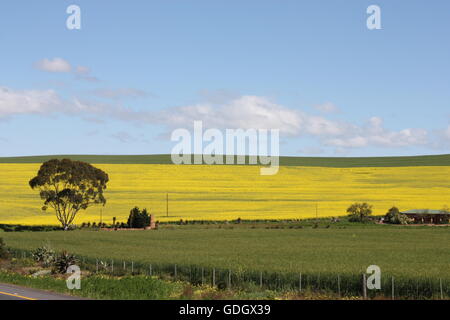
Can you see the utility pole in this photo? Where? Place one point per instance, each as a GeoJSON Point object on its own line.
{"type": "Point", "coordinates": [317, 211]}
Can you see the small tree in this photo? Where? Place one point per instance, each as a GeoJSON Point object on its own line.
{"type": "Point", "coordinates": [391, 214]}
{"type": "Point", "coordinates": [69, 186]}
{"type": "Point", "coordinates": [394, 216]}
{"type": "Point", "coordinates": [359, 212]}
{"type": "Point", "coordinates": [138, 218]}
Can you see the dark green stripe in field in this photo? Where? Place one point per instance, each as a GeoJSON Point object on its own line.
{"type": "Point", "coordinates": [343, 162]}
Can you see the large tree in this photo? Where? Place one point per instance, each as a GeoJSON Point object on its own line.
{"type": "Point", "coordinates": [69, 186]}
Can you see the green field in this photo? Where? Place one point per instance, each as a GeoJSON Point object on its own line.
{"type": "Point", "coordinates": [403, 251]}
{"type": "Point", "coordinates": [335, 162]}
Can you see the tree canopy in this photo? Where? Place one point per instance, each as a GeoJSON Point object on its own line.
{"type": "Point", "coordinates": [69, 186]}
{"type": "Point", "coordinates": [394, 216]}
{"type": "Point", "coordinates": [358, 212]}
{"type": "Point", "coordinates": [138, 218]}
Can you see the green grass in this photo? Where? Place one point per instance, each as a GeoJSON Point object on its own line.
{"type": "Point", "coordinates": [100, 287]}
{"type": "Point", "coordinates": [401, 251]}
{"type": "Point", "coordinates": [337, 162]}
{"type": "Point", "coordinates": [417, 257]}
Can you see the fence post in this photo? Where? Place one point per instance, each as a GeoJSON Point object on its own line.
{"type": "Point", "coordinates": [339, 286]}
{"type": "Point", "coordinates": [393, 289]}
{"type": "Point", "coordinates": [260, 279]}
{"type": "Point", "coordinates": [417, 289]}
{"type": "Point", "coordinates": [96, 265]}
{"type": "Point", "coordinates": [229, 279]}
{"type": "Point", "coordinates": [364, 286]}
{"type": "Point", "coordinates": [112, 266]}
{"type": "Point", "coordinates": [203, 276]}
{"type": "Point", "coordinates": [214, 277]}
{"type": "Point", "coordinates": [150, 270]}
{"type": "Point", "coordinates": [440, 286]}
{"type": "Point", "coordinates": [300, 282]}
{"type": "Point", "coordinates": [132, 266]}
{"type": "Point", "coordinates": [124, 266]}
{"type": "Point", "coordinates": [318, 281]}
{"type": "Point", "coordinates": [175, 271]}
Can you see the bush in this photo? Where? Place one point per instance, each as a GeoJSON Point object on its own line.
{"type": "Point", "coordinates": [4, 253]}
{"type": "Point", "coordinates": [63, 261]}
{"type": "Point", "coordinates": [394, 216]}
{"type": "Point", "coordinates": [44, 255]}
{"type": "Point", "coordinates": [138, 218]}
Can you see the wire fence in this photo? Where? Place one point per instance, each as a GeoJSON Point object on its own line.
{"type": "Point", "coordinates": [342, 285]}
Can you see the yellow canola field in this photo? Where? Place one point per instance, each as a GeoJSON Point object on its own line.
{"type": "Point", "coordinates": [201, 192]}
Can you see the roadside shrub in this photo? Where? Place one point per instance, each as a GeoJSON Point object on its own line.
{"type": "Point", "coordinates": [4, 253]}
{"type": "Point", "coordinates": [44, 255]}
{"type": "Point", "coordinates": [104, 266]}
{"type": "Point", "coordinates": [18, 228]}
{"type": "Point", "coordinates": [63, 261]}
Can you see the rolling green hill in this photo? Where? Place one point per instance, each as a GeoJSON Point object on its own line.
{"type": "Point", "coordinates": [336, 162]}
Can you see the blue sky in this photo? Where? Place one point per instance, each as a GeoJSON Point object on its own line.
{"type": "Point", "coordinates": [139, 69]}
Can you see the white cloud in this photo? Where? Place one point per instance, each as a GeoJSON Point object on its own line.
{"type": "Point", "coordinates": [246, 112]}
{"type": "Point", "coordinates": [327, 107]}
{"type": "Point", "coordinates": [53, 65]}
{"type": "Point", "coordinates": [374, 134]}
{"type": "Point", "coordinates": [28, 101]}
{"type": "Point", "coordinates": [59, 65]}
{"type": "Point", "coordinates": [117, 94]}
{"type": "Point", "coordinates": [380, 136]}
{"type": "Point", "coordinates": [82, 70]}
{"type": "Point", "coordinates": [260, 113]}
{"type": "Point", "coordinates": [319, 126]}
{"type": "Point", "coordinates": [46, 102]}
{"type": "Point", "coordinates": [352, 142]}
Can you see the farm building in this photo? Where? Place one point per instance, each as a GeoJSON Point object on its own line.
{"type": "Point", "coordinates": [428, 216]}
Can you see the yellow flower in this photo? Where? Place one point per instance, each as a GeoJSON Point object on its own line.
{"type": "Point", "coordinates": [220, 192]}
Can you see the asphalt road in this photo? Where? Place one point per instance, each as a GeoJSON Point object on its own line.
{"type": "Point", "coordinates": [13, 292]}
